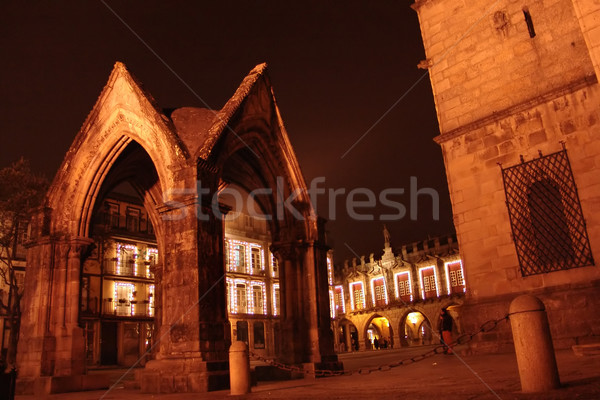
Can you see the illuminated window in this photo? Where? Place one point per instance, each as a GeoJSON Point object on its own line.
{"type": "Point", "coordinates": [230, 296]}
{"type": "Point", "coordinates": [123, 297]}
{"type": "Point", "coordinates": [276, 302]}
{"type": "Point", "coordinates": [455, 278]}
{"type": "Point", "coordinates": [151, 261]}
{"type": "Point", "coordinates": [379, 292]}
{"type": "Point", "coordinates": [332, 312]}
{"type": "Point", "coordinates": [226, 250]}
{"type": "Point", "coordinates": [340, 307]}
{"type": "Point", "coordinates": [404, 286]}
{"type": "Point", "coordinates": [239, 258]}
{"type": "Point", "coordinates": [258, 302]}
{"type": "Point", "coordinates": [428, 278]}
{"type": "Point", "coordinates": [256, 260]}
{"type": "Point", "coordinates": [275, 266]}
{"type": "Point", "coordinates": [151, 300]}
{"type": "Point", "coordinates": [241, 304]}
{"type": "Point", "coordinates": [126, 259]}
{"type": "Point", "coordinates": [357, 296]}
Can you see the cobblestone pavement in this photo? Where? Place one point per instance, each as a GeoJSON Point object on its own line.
{"type": "Point", "coordinates": [440, 377]}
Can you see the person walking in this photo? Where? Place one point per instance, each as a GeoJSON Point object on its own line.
{"type": "Point", "coordinates": [446, 323]}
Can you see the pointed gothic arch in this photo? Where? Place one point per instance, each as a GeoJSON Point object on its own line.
{"type": "Point", "coordinates": [174, 154]}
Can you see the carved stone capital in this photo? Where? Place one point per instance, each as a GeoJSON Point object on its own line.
{"type": "Point", "coordinates": [78, 246]}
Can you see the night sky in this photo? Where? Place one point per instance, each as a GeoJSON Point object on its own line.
{"type": "Point", "coordinates": [336, 68]}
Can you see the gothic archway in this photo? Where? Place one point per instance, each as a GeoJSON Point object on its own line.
{"type": "Point", "coordinates": [177, 165]}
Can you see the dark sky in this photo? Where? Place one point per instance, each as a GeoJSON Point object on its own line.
{"type": "Point", "coordinates": [336, 66]}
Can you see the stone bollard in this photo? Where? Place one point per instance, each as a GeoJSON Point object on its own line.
{"type": "Point", "coordinates": [239, 368]}
{"type": "Point", "coordinates": [533, 345]}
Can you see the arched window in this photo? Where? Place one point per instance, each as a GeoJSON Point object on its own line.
{"type": "Point", "coordinates": [553, 246]}
{"type": "Point", "coordinates": [545, 215]}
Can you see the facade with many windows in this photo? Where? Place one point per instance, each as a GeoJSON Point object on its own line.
{"type": "Point", "coordinates": [396, 299]}
{"type": "Point", "coordinates": [252, 283]}
{"type": "Point", "coordinates": [117, 284]}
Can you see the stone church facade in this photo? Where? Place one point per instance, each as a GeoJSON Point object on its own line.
{"type": "Point", "coordinates": [177, 162]}
{"type": "Point", "coordinates": [518, 103]}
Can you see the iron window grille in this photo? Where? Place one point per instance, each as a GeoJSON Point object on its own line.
{"type": "Point", "coordinates": [547, 223]}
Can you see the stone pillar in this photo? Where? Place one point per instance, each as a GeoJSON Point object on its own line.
{"type": "Point", "coordinates": [239, 369]}
{"type": "Point", "coordinates": [336, 335]}
{"type": "Point", "coordinates": [305, 318]}
{"type": "Point", "coordinates": [70, 346]}
{"type": "Point", "coordinates": [290, 302]}
{"type": "Point", "coordinates": [195, 332]}
{"type": "Point", "coordinates": [51, 356]}
{"type": "Point", "coordinates": [533, 344]}
{"type": "Point", "coordinates": [348, 337]}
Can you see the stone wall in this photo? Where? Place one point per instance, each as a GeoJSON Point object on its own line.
{"type": "Point", "coordinates": [501, 94]}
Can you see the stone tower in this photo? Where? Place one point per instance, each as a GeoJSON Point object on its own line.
{"type": "Point", "coordinates": [517, 97]}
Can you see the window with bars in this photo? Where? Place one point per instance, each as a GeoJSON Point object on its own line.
{"type": "Point", "coordinates": [547, 223]}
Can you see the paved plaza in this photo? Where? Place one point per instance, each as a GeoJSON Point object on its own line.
{"type": "Point", "coordinates": [492, 376]}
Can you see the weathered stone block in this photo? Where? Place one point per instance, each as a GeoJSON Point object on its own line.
{"type": "Point", "coordinates": [150, 382]}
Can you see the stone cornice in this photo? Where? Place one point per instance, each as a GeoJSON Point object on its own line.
{"type": "Point", "coordinates": [523, 106]}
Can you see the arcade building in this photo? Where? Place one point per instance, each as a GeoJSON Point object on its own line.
{"type": "Point", "coordinates": [395, 301]}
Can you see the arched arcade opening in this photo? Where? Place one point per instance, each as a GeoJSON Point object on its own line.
{"type": "Point", "coordinates": [416, 330]}
{"type": "Point", "coordinates": [378, 333]}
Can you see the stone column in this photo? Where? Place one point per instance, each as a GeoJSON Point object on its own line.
{"type": "Point", "coordinates": [289, 303]}
{"type": "Point", "coordinates": [35, 319]}
{"type": "Point", "coordinates": [51, 342]}
{"type": "Point", "coordinates": [195, 333]}
{"type": "Point", "coordinates": [533, 344]}
{"type": "Point", "coordinates": [348, 337]}
{"type": "Point", "coordinates": [336, 336]}
{"type": "Point", "coordinates": [305, 319]}
{"type": "Point", "coordinates": [70, 346]}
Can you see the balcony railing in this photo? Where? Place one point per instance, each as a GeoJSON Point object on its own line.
{"type": "Point", "coordinates": [127, 308]}
{"type": "Point", "coordinates": [124, 224]}
{"type": "Point", "coordinates": [139, 269]}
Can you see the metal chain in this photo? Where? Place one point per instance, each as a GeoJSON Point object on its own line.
{"type": "Point", "coordinates": [462, 339]}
